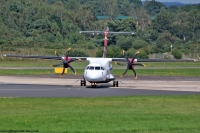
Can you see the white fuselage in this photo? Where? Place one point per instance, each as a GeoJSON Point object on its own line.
{"type": "Point", "coordinates": [99, 70]}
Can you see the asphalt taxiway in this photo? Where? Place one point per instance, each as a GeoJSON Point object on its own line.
{"type": "Point", "coordinates": [34, 86]}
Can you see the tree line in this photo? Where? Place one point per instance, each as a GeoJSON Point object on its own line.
{"type": "Point", "coordinates": [55, 24]}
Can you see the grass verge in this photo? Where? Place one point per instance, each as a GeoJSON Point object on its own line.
{"type": "Point", "coordinates": [139, 114]}
{"type": "Point", "coordinates": [141, 72]}
{"type": "Point", "coordinates": [17, 62]}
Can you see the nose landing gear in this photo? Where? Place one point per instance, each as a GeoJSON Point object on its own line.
{"type": "Point", "coordinates": [93, 85]}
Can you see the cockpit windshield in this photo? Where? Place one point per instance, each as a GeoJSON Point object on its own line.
{"type": "Point", "coordinates": [95, 68]}
{"type": "Point", "coordinates": [91, 68]}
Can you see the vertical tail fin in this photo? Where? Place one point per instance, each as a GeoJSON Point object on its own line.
{"type": "Point", "coordinates": [106, 32]}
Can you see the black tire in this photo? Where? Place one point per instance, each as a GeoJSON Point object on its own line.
{"type": "Point", "coordinates": [82, 82]}
{"type": "Point", "coordinates": [117, 83]}
{"type": "Point", "coordinates": [114, 83]}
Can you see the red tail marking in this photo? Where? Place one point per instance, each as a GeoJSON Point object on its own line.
{"type": "Point", "coordinates": [105, 43]}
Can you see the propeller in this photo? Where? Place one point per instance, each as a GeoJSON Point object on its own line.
{"type": "Point", "coordinates": [131, 64]}
{"type": "Point", "coordinates": [65, 62]}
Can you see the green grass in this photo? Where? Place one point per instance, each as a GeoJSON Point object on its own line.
{"type": "Point", "coordinates": [138, 114]}
{"type": "Point", "coordinates": [45, 63]}
{"type": "Point", "coordinates": [195, 72]}
{"type": "Point", "coordinates": [152, 69]}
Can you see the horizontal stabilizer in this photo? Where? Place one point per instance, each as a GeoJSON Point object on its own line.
{"type": "Point", "coordinates": [102, 32]}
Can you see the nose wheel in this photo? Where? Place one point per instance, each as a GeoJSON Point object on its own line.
{"type": "Point", "coordinates": [115, 83]}
{"type": "Point", "coordinates": [94, 85]}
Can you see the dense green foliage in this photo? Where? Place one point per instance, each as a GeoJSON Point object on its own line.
{"type": "Point", "coordinates": [55, 24]}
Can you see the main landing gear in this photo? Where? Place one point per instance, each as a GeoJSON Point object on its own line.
{"type": "Point", "coordinates": [83, 83]}
{"type": "Point", "coordinates": [115, 83]}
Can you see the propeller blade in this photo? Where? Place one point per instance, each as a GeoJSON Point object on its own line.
{"type": "Point", "coordinates": [139, 64]}
{"type": "Point", "coordinates": [74, 60]}
{"type": "Point", "coordinates": [135, 74]}
{"type": "Point", "coordinates": [124, 72]}
{"type": "Point", "coordinates": [56, 65]}
{"type": "Point", "coordinates": [62, 72]}
{"type": "Point", "coordinates": [72, 69]}
{"type": "Point", "coordinates": [116, 63]}
{"type": "Point", "coordinates": [131, 64]}
{"type": "Point", "coordinates": [135, 56]}
{"type": "Point", "coordinates": [67, 54]}
{"type": "Point", "coordinates": [68, 49]}
{"type": "Point", "coordinates": [65, 62]}
{"type": "Point", "coordinates": [125, 56]}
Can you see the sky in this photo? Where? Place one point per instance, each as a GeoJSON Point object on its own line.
{"type": "Point", "coordinates": [181, 1]}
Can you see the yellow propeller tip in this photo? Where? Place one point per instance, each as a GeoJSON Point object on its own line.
{"type": "Point", "coordinates": [138, 52]}
{"type": "Point", "coordinates": [69, 49]}
{"type": "Point", "coordinates": [123, 51]}
{"type": "Point", "coordinates": [55, 52]}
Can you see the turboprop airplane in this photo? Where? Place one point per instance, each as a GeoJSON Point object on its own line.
{"type": "Point", "coordinates": [99, 70]}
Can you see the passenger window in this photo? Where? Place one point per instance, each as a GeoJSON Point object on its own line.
{"type": "Point", "coordinates": [97, 68]}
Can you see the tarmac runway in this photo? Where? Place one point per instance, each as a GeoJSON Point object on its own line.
{"type": "Point", "coordinates": [34, 86]}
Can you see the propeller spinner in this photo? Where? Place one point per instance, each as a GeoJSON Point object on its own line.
{"type": "Point", "coordinates": [65, 62]}
{"type": "Point", "coordinates": [131, 64]}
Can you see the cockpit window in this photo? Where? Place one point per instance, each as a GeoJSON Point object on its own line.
{"type": "Point", "coordinates": [91, 68]}
{"type": "Point", "coordinates": [97, 68]}
{"type": "Point", "coordinates": [102, 68]}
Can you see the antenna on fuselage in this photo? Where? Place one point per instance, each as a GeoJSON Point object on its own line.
{"type": "Point", "coordinates": [106, 32]}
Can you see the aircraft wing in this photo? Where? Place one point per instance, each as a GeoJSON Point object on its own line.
{"type": "Point", "coordinates": [42, 57]}
{"type": "Point", "coordinates": [152, 60]}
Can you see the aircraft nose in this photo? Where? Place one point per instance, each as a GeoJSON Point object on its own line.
{"type": "Point", "coordinates": [94, 75]}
